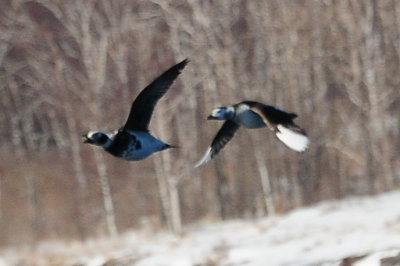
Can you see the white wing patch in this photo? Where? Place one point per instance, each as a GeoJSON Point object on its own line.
{"type": "Point", "coordinates": [206, 157]}
{"type": "Point", "coordinates": [294, 140]}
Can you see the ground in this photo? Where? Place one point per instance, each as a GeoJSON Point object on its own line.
{"type": "Point", "coordinates": [362, 231]}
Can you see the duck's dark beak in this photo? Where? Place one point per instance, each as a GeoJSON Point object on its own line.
{"type": "Point", "coordinates": [210, 117]}
{"type": "Point", "coordinates": [86, 139]}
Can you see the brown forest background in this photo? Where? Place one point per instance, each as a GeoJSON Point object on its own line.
{"type": "Point", "coordinates": [67, 67]}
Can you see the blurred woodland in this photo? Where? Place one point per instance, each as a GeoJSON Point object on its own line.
{"type": "Point", "coordinates": [67, 67]}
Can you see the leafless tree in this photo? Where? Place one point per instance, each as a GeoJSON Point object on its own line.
{"type": "Point", "coordinates": [71, 66]}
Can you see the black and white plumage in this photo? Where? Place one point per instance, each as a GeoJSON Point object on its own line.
{"type": "Point", "coordinates": [133, 141]}
{"type": "Point", "coordinates": [251, 114]}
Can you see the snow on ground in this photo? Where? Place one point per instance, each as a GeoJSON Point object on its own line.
{"type": "Point", "coordinates": [322, 234]}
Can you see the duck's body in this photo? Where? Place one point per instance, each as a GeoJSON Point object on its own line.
{"type": "Point", "coordinates": [133, 141]}
{"type": "Point", "coordinates": [244, 117]}
{"type": "Point", "coordinates": [135, 145]}
{"type": "Point", "coordinates": [251, 114]}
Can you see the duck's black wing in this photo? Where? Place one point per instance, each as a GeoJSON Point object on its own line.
{"type": "Point", "coordinates": [143, 106]}
{"type": "Point", "coordinates": [224, 135]}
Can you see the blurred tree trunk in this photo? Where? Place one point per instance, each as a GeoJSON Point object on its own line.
{"type": "Point", "coordinates": [24, 136]}
{"type": "Point", "coordinates": [94, 52]}
{"type": "Point", "coordinates": [75, 144]}
{"type": "Point", "coordinates": [373, 60]}
{"type": "Point", "coordinates": [168, 193]}
{"type": "Point", "coordinates": [33, 210]}
{"type": "Point", "coordinates": [369, 93]}
{"type": "Point", "coordinates": [224, 197]}
{"type": "Point", "coordinates": [264, 178]}
{"type": "Point", "coordinates": [106, 192]}
{"type": "Point", "coordinates": [162, 192]}
{"type": "Point", "coordinates": [167, 181]}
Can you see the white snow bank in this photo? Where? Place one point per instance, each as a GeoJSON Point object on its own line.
{"type": "Point", "coordinates": [318, 235]}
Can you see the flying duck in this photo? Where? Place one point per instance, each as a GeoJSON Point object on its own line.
{"type": "Point", "coordinates": [250, 114]}
{"type": "Point", "coordinates": [133, 142]}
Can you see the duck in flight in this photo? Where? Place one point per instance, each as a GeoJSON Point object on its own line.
{"type": "Point", "coordinates": [250, 114]}
{"type": "Point", "coordinates": [133, 142]}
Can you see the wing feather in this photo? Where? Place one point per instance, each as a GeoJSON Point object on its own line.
{"type": "Point", "coordinates": [143, 106]}
{"type": "Point", "coordinates": [224, 135]}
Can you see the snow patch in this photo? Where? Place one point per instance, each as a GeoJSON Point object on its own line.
{"type": "Point", "coordinates": [366, 228]}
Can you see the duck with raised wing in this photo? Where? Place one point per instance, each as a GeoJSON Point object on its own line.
{"type": "Point", "coordinates": [133, 142]}
{"type": "Point", "coordinates": [251, 114]}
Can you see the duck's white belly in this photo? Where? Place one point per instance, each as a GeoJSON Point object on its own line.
{"type": "Point", "coordinates": [148, 145]}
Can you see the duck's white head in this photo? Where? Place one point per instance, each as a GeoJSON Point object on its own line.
{"type": "Point", "coordinates": [222, 113]}
{"type": "Point", "coordinates": [97, 138]}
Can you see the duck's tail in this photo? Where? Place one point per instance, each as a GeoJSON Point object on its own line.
{"type": "Point", "coordinates": [169, 146]}
{"type": "Point", "coordinates": [293, 137]}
